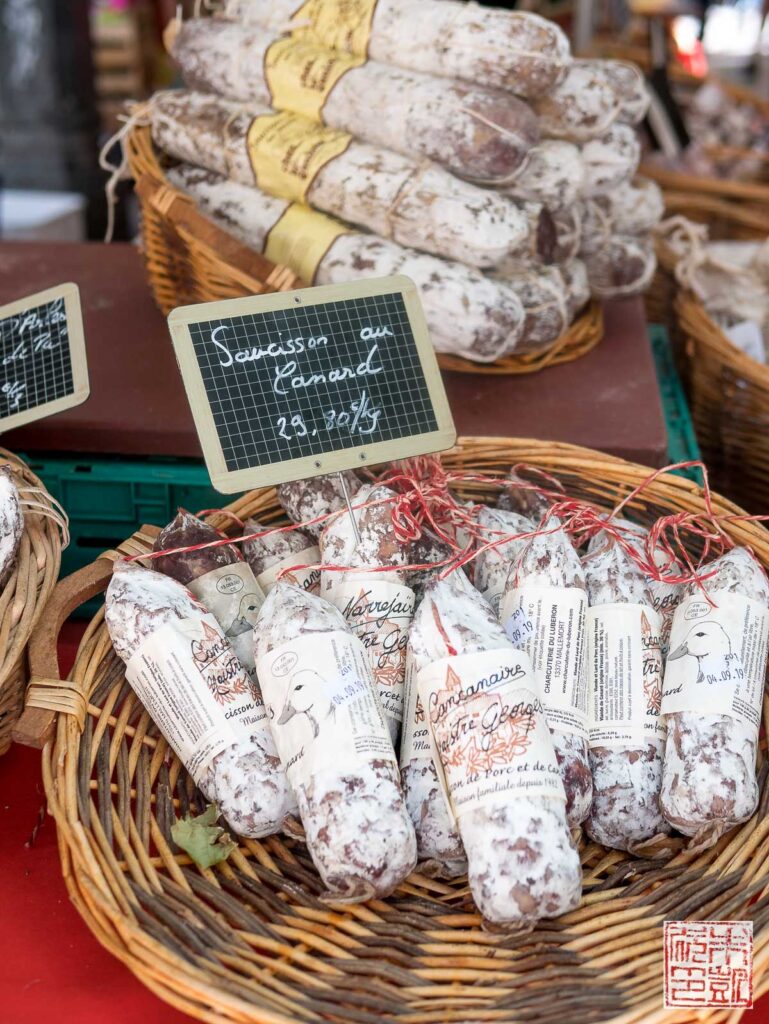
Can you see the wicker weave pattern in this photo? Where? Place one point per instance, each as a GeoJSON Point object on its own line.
{"type": "Point", "coordinates": [189, 260]}
{"type": "Point", "coordinates": [729, 396]}
{"type": "Point", "coordinates": [728, 391]}
{"type": "Point", "coordinates": [24, 597]}
{"type": "Point", "coordinates": [252, 942]}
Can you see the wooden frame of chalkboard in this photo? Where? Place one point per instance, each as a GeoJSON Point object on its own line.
{"type": "Point", "coordinates": [297, 384]}
{"type": "Point", "coordinates": [32, 329]}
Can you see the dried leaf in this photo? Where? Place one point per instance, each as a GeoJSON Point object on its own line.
{"type": "Point", "coordinates": [205, 841]}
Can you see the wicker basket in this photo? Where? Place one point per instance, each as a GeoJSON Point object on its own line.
{"type": "Point", "coordinates": [725, 220]}
{"type": "Point", "coordinates": [251, 941]}
{"type": "Point", "coordinates": [24, 596]}
{"type": "Point", "coordinates": [189, 259]}
{"type": "Point", "coordinates": [729, 398]}
{"type": "Point", "coordinates": [728, 391]}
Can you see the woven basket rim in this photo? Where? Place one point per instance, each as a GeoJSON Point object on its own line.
{"type": "Point", "coordinates": [715, 338]}
{"type": "Point", "coordinates": [145, 164]}
{"type": "Point", "coordinates": [25, 593]}
{"type": "Point", "coordinates": [117, 895]}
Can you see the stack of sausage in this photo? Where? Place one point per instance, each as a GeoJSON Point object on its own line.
{"type": "Point", "coordinates": [459, 145]}
{"type": "Point", "coordinates": [524, 704]}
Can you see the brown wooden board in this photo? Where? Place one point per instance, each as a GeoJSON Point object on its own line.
{"type": "Point", "coordinates": [608, 399]}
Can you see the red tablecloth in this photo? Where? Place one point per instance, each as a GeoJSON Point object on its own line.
{"type": "Point", "coordinates": [52, 970]}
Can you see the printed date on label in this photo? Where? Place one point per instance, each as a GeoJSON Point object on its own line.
{"type": "Point", "coordinates": [519, 627]}
{"type": "Point", "coordinates": [360, 417]}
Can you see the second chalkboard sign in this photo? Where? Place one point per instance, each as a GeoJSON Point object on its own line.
{"type": "Point", "coordinates": [42, 356]}
{"type": "Point", "coordinates": [315, 381]}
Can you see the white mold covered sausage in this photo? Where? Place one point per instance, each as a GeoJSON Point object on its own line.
{"type": "Point", "coordinates": [377, 606]}
{"type": "Point", "coordinates": [415, 203]}
{"type": "Point", "coordinates": [278, 551]}
{"type": "Point", "coordinates": [439, 845]}
{"type": "Point", "coordinates": [156, 624]}
{"type": "Point", "coordinates": [11, 523]}
{"type": "Point", "coordinates": [545, 589]}
{"type": "Point", "coordinates": [482, 134]}
{"type": "Point", "coordinates": [626, 734]}
{"type": "Point", "coordinates": [479, 697]}
{"type": "Point", "coordinates": [514, 50]}
{"type": "Point", "coordinates": [468, 314]}
{"type": "Point", "coordinates": [331, 735]}
{"type": "Point", "coordinates": [713, 698]}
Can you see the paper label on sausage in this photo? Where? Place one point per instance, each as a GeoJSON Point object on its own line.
{"type": "Point", "coordinates": [489, 729]}
{"type": "Point", "coordinates": [343, 25]}
{"type": "Point", "coordinates": [415, 739]}
{"type": "Point", "coordinates": [549, 624]}
{"type": "Point", "coordinates": [300, 74]}
{"type": "Point", "coordinates": [233, 596]}
{"type": "Point", "coordinates": [717, 659]}
{"type": "Point", "coordinates": [287, 153]}
{"type": "Point", "coordinates": [306, 579]}
{"type": "Point", "coordinates": [379, 614]}
{"type": "Point", "coordinates": [624, 673]}
{"type": "Point", "coordinates": [300, 239]}
{"type": "Point", "coordinates": [322, 706]}
{"type": "Point", "coordinates": [196, 691]}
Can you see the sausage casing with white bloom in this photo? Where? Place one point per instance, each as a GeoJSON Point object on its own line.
{"type": "Point", "coordinates": [332, 738]}
{"type": "Point", "coordinates": [207, 707]}
{"type": "Point", "coordinates": [377, 606]}
{"type": "Point", "coordinates": [491, 737]}
{"type": "Point", "coordinates": [626, 734]}
{"type": "Point", "coordinates": [712, 698]}
{"type": "Point", "coordinates": [545, 589]}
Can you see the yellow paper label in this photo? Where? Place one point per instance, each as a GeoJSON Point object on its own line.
{"type": "Point", "coordinates": [300, 240]}
{"type": "Point", "coordinates": [300, 75]}
{"type": "Point", "coordinates": [287, 152]}
{"type": "Point", "coordinates": [340, 24]}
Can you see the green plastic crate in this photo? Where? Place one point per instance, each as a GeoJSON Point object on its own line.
{"type": "Point", "coordinates": [107, 499]}
{"type": "Point", "coordinates": [682, 440]}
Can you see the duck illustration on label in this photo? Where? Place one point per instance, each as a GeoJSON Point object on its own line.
{"type": "Point", "coordinates": [308, 696]}
{"type": "Point", "coordinates": [322, 706]}
{"type": "Point", "coordinates": [709, 643]}
{"type": "Point", "coordinates": [246, 615]}
{"type": "Point", "coordinates": [717, 660]}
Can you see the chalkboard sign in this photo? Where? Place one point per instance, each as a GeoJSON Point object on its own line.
{"type": "Point", "coordinates": [296, 384]}
{"type": "Point", "coordinates": [43, 367]}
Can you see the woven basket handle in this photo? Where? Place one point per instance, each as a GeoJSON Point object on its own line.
{"type": "Point", "coordinates": [35, 727]}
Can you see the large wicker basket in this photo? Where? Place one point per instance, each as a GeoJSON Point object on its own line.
{"type": "Point", "coordinates": [729, 398]}
{"type": "Point", "coordinates": [24, 596]}
{"type": "Point", "coordinates": [251, 941]}
{"type": "Point", "coordinates": [189, 259]}
{"type": "Point", "coordinates": [725, 220]}
{"type": "Point", "coordinates": [728, 391]}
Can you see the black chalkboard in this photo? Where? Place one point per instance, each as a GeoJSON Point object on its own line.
{"type": "Point", "coordinates": [296, 384]}
{"type": "Point", "coordinates": [42, 356]}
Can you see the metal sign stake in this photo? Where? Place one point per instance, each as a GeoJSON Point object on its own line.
{"type": "Point", "coordinates": [346, 493]}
